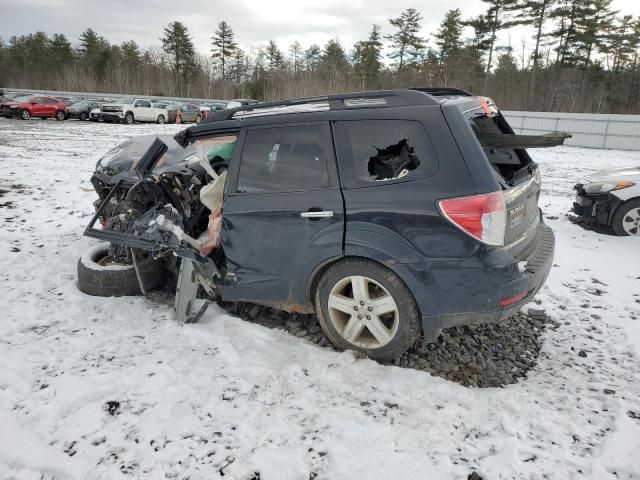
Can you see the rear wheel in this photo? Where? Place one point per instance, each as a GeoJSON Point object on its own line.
{"type": "Point", "coordinates": [198, 118]}
{"type": "Point", "coordinates": [25, 114]}
{"type": "Point", "coordinates": [161, 119]}
{"type": "Point", "coordinates": [98, 275]}
{"type": "Point", "coordinates": [364, 306]}
{"type": "Point", "coordinates": [626, 220]}
{"type": "Point", "coordinates": [59, 115]}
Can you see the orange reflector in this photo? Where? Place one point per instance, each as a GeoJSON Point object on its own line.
{"type": "Point", "coordinates": [505, 302]}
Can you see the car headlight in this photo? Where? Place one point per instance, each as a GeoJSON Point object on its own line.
{"type": "Point", "coordinates": [604, 187]}
{"type": "Point", "coordinates": [13, 106]}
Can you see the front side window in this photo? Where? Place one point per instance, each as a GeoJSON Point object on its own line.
{"type": "Point", "coordinates": [284, 159]}
{"type": "Point", "coordinates": [375, 152]}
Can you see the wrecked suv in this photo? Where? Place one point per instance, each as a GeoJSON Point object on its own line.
{"type": "Point", "coordinates": [389, 214]}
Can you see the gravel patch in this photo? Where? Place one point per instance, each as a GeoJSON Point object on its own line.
{"type": "Point", "coordinates": [488, 355]}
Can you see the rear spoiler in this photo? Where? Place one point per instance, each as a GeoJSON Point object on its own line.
{"type": "Point", "coordinates": [506, 140]}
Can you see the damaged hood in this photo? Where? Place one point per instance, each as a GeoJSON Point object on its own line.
{"type": "Point", "coordinates": [121, 161]}
{"type": "Point", "coordinates": [613, 175]}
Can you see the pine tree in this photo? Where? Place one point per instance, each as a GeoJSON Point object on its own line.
{"type": "Point", "coordinates": [224, 46]}
{"type": "Point", "coordinates": [534, 13]}
{"type": "Point", "coordinates": [496, 19]}
{"type": "Point", "coordinates": [275, 58]}
{"type": "Point", "coordinates": [60, 50]}
{"type": "Point", "coordinates": [406, 42]}
{"type": "Point", "coordinates": [448, 37]}
{"type": "Point", "coordinates": [296, 54]}
{"type": "Point", "coordinates": [238, 66]}
{"type": "Point", "coordinates": [177, 43]}
{"type": "Point", "coordinates": [595, 18]}
{"type": "Point", "coordinates": [312, 57]}
{"type": "Point", "coordinates": [366, 58]}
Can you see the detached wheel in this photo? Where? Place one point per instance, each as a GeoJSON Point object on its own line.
{"type": "Point", "coordinates": [59, 115]}
{"type": "Point", "coordinates": [99, 276]}
{"type": "Point", "coordinates": [128, 118]}
{"type": "Point", "coordinates": [364, 306]}
{"type": "Point", "coordinates": [161, 119]}
{"type": "Point", "coordinates": [626, 220]}
{"type": "Point", "coordinates": [25, 114]}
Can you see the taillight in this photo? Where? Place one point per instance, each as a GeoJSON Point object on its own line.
{"type": "Point", "coordinates": [483, 216]}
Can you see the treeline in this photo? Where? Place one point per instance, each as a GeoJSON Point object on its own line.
{"type": "Point", "coordinates": [583, 57]}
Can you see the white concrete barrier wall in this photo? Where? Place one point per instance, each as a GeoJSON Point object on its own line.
{"type": "Point", "coordinates": [588, 129]}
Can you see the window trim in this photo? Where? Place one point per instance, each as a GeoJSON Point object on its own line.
{"type": "Point", "coordinates": [331, 160]}
{"type": "Point", "coordinates": [348, 167]}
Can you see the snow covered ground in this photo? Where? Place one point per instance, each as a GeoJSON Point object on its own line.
{"type": "Point", "coordinates": [100, 388]}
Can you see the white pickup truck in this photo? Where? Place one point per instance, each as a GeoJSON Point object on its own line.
{"type": "Point", "coordinates": [132, 110]}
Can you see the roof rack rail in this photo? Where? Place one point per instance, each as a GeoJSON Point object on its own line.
{"type": "Point", "coordinates": [387, 98]}
{"type": "Point", "coordinates": [443, 91]}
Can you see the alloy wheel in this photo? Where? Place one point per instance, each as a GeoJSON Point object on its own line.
{"type": "Point", "coordinates": [631, 222]}
{"type": "Point", "coordinates": [363, 312]}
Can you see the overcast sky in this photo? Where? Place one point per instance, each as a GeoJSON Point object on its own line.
{"type": "Point", "coordinates": [254, 22]}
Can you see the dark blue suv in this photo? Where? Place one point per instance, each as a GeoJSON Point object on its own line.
{"type": "Point", "coordinates": [390, 214]}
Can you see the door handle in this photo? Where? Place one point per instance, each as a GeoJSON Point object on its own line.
{"type": "Point", "coordinates": [321, 214]}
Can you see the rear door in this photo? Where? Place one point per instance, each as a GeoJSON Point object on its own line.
{"type": "Point", "coordinates": [283, 213]}
{"type": "Point", "coordinates": [143, 111]}
{"type": "Point", "coordinates": [40, 108]}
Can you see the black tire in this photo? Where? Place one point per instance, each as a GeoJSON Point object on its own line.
{"type": "Point", "coordinates": [106, 281]}
{"type": "Point", "coordinates": [59, 115]}
{"type": "Point", "coordinates": [408, 314]}
{"type": "Point", "coordinates": [161, 119]}
{"type": "Point", "coordinates": [25, 114]}
{"type": "Point", "coordinates": [128, 118]}
{"type": "Point", "coordinates": [622, 217]}
{"type": "Point", "coordinates": [82, 117]}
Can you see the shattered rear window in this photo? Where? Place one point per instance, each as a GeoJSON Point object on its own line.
{"type": "Point", "coordinates": [382, 151]}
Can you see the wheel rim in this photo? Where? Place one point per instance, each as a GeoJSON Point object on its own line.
{"type": "Point", "coordinates": [25, 115]}
{"type": "Point", "coordinates": [59, 115]}
{"type": "Point", "coordinates": [363, 312]}
{"type": "Point", "coordinates": [160, 119]}
{"type": "Point", "coordinates": [631, 222]}
{"type": "Point", "coordinates": [129, 118]}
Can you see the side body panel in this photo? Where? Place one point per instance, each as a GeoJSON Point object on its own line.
{"type": "Point", "coordinates": [271, 249]}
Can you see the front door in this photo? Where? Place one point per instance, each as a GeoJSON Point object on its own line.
{"type": "Point", "coordinates": [283, 214]}
{"type": "Point", "coordinates": [40, 109]}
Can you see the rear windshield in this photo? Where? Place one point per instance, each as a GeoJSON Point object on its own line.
{"type": "Point", "coordinates": [511, 164]}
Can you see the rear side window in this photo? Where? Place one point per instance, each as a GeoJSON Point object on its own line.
{"type": "Point", "coordinates": [375, 152]}
{"type": "Point", "coordinates": [51, 101]}
{"type": "Point", "coordinates": [285, 159]}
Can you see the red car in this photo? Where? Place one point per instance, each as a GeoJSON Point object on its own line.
{"type": "Point", "coordinates": [34, 106]}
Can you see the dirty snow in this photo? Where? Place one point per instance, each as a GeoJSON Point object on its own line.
{"type": "Point", "coordinates": [100, 388]}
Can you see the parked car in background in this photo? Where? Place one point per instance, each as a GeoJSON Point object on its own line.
{"type": "Point", "coordinates": [5, 99]}
{"type": "Point", "coordinates": [241, 102]}
{"type": "Point", "coordinates": [34, 106]}
{"type": "Point", "coordinates": [180, 112]}
{"type": "Point", "coordinates": [159, 104]}
{"type": "Point", "coordinates": [66, 100]}
{"type": "Point", "coordinates": [82, 109]}
{"type": "Point", "coordinates": [611, 197]}
{"type": "Point", "coordinates": [95, 115]}
{"type": "Point", "coordinates": [130, 110]}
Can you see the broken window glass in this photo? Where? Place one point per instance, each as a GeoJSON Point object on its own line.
{"type": "Point", "coordinates": [379, 151]}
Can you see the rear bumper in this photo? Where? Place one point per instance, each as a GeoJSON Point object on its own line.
{"type": "Point", "coordinates": [470, 292]}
